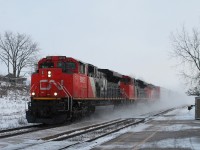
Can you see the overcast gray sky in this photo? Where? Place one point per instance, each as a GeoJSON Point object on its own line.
{"type": "Point", "coordinates": [128, 36]}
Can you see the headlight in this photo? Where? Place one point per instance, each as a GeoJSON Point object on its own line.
{"type": "Point", "coordinates": [33, 93]}
{"type": "Point", "coordinates": [55, 94]}
{"type": "Point", "coordinates": [49, 74]}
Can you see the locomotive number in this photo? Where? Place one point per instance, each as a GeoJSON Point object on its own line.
{"type": "Point", "coordinates": [82, 79]}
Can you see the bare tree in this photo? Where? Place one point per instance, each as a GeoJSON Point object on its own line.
{"type": "Point", "coordinates": [17, 51]}
{"type": "Point", "coordinates": [186, 50]}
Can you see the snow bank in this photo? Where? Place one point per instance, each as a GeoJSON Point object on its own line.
{"type": "Point", "coordinates": [12, 111]}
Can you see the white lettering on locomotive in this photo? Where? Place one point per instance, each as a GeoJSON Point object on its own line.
{"type": "Point", "coordinates": [50, 82]}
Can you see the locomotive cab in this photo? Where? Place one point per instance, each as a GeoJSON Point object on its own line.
{"type": "Point", "coordinates": [67, 65]}
{"type": "Point", "coordinates": [140, 86]}
{"type": "Point", "coordinates": [127, 86]}
{"type": "Point", "coordinates": [50, 75]}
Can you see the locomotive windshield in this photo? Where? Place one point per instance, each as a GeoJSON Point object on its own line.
{"type": "Point", "coordinates": [61, 65]}
{"type": "Point", "coordinates": [67, 66]}
{"type": "Point", "coordinates": [70, 65]}
{"type": "Point", "coordinates": [47, 65]}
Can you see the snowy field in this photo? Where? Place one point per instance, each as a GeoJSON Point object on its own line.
{"type": "Point", "coordinates": [12, 111]}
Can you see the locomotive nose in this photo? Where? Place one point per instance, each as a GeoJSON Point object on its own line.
{"type": "Point", "coordinates": [49, 82]}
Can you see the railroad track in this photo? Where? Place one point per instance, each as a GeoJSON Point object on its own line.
{"type": "Point", "coordinates": [94, 135]}
{"type": "Point", "coordinates": [161, 112]}
{"type": "Point", "coordinates": [27, 129]}
{"type": "Point", "coordinates": [33, 128]}
{"type": "Point", "coordinates": [99, 130]}
{"type": "Point", "coordinates": [19, 130]}
{"type": "Point", "coordinates": [91, 133]}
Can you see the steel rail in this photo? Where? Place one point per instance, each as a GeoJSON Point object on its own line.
{"type": "Point", "coordinates": [27, 129]}
{"type": "Point", "coordinates": [20, 130]}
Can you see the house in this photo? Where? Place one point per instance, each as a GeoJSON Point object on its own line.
{"type": "Point", "coordinates": [12, 79]}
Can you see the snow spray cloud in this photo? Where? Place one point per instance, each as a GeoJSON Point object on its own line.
{"type": "Point", "coordinates": [168, 99]}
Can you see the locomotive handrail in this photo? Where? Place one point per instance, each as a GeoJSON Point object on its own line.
{"type": "Point", "coordinates": [68, 95]}
{"type": "Point", "coordinates": [32, 87]}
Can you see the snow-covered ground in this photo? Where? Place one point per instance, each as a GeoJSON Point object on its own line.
{"type": "Point", "coordinates": [12, 114]}
{"type": "Point", "coordinates": [180, 114]}
{"type": "Point", "coordinates": [12, 110]}
{"type": "Point", "coordinates": [168, 143]}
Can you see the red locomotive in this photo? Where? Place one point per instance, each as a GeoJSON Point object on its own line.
{"type": "Point", "coordinates": [63, 88]}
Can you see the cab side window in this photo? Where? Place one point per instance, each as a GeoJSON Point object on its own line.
{"type": "Point", "coordinates": [70, 65]}
{"type": "Point", "coordinates": [81, 68]}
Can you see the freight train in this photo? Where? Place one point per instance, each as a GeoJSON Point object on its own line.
{"type": "Point", "coordinates": [63, 88]}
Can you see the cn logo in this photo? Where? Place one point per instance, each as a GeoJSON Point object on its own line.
{"type": "Point", "coordinates": [49, 84]}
